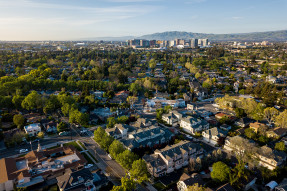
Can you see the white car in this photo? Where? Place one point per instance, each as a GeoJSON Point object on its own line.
{"type": "Point", "coordinates": [89, 165]}
{"type": "Point", "coordinates": [188, 136]}
{"type": "Point", "coordinates": [23, 151]}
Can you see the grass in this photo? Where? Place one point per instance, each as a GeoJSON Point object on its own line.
{"type": "Point", "coordinates": [82, 145]}
{"type": "Point", "coordinates": [159, 186]}
{"type": "Point", "coordinates": [74, 144]}
{"type": "Point", "coordinates": [53, 188]}
{"type": "Point", "coordinates": [87, 158]}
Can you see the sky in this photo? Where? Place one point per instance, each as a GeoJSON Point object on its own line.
{"type": "Point", "coordinates": [79, 19]}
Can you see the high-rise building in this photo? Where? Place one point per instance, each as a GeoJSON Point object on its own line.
{"type": "Point", "coordinates": [193, 43]}
{"type": "Point", "coordinates": [172, 43]}
{"type": "Point", "coordinates": [144, 43]}
{"type": "Point", "coordinates": [203, 42]}
{"type": "Point", "coordinates": [152, 43]}
{"type": "Point", "coordinates": [179, 41]}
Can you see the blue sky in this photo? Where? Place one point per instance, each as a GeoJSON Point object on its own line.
{"type": "Point", "coordinates": [75, 19]}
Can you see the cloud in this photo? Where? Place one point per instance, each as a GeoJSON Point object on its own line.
{"type": "Point", "coordinates": [85, 15]}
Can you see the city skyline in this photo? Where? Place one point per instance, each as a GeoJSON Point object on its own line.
{"type": "Point", "coordinates": [73, 20]}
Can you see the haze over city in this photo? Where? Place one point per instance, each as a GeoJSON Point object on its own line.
{"type": "Point", "coordinates": [73, 20]}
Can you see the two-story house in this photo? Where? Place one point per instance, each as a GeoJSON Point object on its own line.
{"type": "Point", "coordinates": [192, 124]}
{"type": "Point", "coordinates": [213, 135]}
{"type": "Point", "coordinates": [271, 158]}
{"type": "Point", "coordinates": [172, 118]}
{"type": "Point", "coordinates": [33, 129]}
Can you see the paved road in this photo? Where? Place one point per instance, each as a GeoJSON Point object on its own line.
{"type": "Point", "coordinates": [9, 152]}
{"type": "Point", "coordinates": [105, 163]}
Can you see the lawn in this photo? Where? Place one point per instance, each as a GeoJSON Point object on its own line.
{"type": "Point", "coordinates": [82, 145]}
{"type": "Point", "coordinates": [88, 158]}
{"type": "Point", "coordinates": [159, 186]}
{"type": "Point", "coordinates": [74, 144]}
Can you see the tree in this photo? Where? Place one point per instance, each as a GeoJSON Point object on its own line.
{"type": "Point", "coordinates": [111, 121]}
{"type": "Point", "coordinates": [131, 100]}
{"type": "Point", "coordinates": [152, 63]}
{"type": "Point", "coordinates": [238, 174]}
{"type": "Point", "coordinates": [99, 133]}
{"type": "Point", "coordinates": [281, 119]}
{"type": "Point", "coordinates": [239, 112]}
{"type": "Point", "coordinates": [280, 146]}
{"type": "Point", "coordinates": [245, 150]}
{"type": "Point", "coordinates": [139, 170]}
{"type": "Point", "coordinates": [62, 126]}
{"type": "Point", "coordinates": [220, 172]}
{"type": "Point", "coordinates": [32, 101]}
{"type": "Point", "coordinates": [250, 133]}
{"type": "Point", "coordinates": [40, 135]}
{"type": "Point", "coordinates": [127, 184]}
{"type": "Point", "coordinates": [207, 84]}
{"type": "Point", "coordinates": [195, 187]}
{"type": "Point", "coordinates": [126, 159]}
{"type": "Point", "coordinates": [116, 148]}
{"type": "Point", "coordinates": [17, 100]}
{"type": "Point", "coordinates": [18, 120]}
{"type": "Point", "coordinates": [106, 141]}
{"type": "Point", "coordinates": [123, 119]}
{"type": "Point", "coordinates": [270, 114]}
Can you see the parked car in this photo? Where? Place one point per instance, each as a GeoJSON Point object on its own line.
{"type": "Point", "coordinates": [23, 151]}
{"type": "Point", "coordinates": [64, 133]}
{"type": "Point", "coordinates": [89, 165]}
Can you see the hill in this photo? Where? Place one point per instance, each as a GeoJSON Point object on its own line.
{"type": "Point", "coordinates": [255, 36]}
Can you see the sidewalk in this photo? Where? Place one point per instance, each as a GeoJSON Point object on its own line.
{"type": "Point", "coordinates": [87, 152]}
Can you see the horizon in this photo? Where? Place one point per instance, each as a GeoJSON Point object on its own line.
{"type": "Point", "coordinates": [35, 20]}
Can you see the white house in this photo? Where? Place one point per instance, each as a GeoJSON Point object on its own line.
{"type": "Point", "coordinates": [193, 125]}
{"type": "Point", "coordinates": [213, 135]}
{"type": "Point", "coordinates": [33, 129]}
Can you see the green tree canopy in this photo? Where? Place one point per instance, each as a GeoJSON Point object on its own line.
{"type": "Point", "coordinates": [18, 120]}
{"type": "Point", "coordinates": [220, 172]}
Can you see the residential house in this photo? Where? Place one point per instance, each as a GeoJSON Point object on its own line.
{"type": "Point", "coordinates": [172, 157]}
{"type": "Point", "coordinates": [50, 127]}
{"type": "Point", "coordinates": [186, 97]}
{"type": "Point", "coordinates": [119, 131]}
{"type": "Point", "coordinates": [219, 116]}
{"type": "Point", "coordinates": [257, 127]}
{"type": "Point", "coordinates": [159, 102]}
{"type": "Point", "coordinates": [172, 118]}
{"type": "Point", "coordinates": [192, 124]}
{"type": "Point", "coordinates": [32, 129]}
{"type": "Point", "coordinates": [213, 135]}
{"type": "Point", "coordinates": [186, 180]}
{"type": "Point", "coordinates": [190, 107]}
{"type": "Point", "coordinates": [37, 166]}
{"type": "Point", "coordinates": [282, 186]}
{"type": "Point", "coordinates": [81, 180]}
{"type": "Point", "coordinates": [276, 133]}
{"type": "Point", "coordinates": [225, 127]}
{"type": "Point", "coordinates": [244, 122]}
{"type": "Point", "coordinates": [199, 91]}
{"type": "Point", "coordinates": [271, 158]}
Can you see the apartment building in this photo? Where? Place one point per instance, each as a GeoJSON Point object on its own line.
{"type": "Point", "coordinates": [172, 157]}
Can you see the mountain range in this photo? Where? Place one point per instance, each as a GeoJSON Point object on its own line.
{"type": "Point", "coordinates": [171, 35]}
